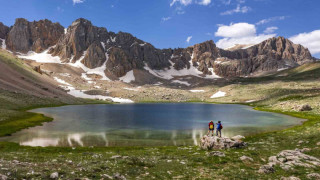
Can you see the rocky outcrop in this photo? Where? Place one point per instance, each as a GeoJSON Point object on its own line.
{"type": "Point", "coordinates": [35, 36]}
{"type": "Point", "coordinates": [288, 159]}
{"type": "Point", "coordinates": [95, 56]}
{"type": "Point", "coordinates": [214, 142]}
{"type": "Point", "coordinates": [269, 55]}
{"type": "Point", "coordinates": [3, 31]}
{"type": "Point", "coordinates": [80, 35]}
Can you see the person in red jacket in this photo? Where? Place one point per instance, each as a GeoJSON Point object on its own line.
{"type": "Point", "coordinates": [211, 128]}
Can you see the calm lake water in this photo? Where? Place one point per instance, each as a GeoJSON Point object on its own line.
{"type": "Point", "coordinates": [145, 124]}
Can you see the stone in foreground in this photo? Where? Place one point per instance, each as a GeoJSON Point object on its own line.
{"type": "Point", "coordinates": [288, 159]}
{"type": "Point", "coordinates": [214, 142]}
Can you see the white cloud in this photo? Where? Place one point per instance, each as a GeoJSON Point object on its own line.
{"type": "Point", "coordinates": [188, 2]}
{"type": "Point", "coordinates": [236, 30]}
{"type": "Point", "coordinates": [238, 9]}
{"type": "Point", "coordinates": [311, 40]}
{"type": "Point", "coordinates": [239, 33]}
{"type": "Point", "coordinates": [270, 30]}
{"type": "Point", "coordinates": [276, 18]}
{"type": "Point", "coordinates": [209, 34]}
{"type": "Point", "coordinates": [183, 2]}
{"type": "Point", "coordinates": [204, 2]}
{"type": "Point", "coordinates": [188, 39]}
{"type": "Point", "coordinates": [165, 19]}
{"type": "Point", "coordinates": [77, 1]}
{"type": "Point", "coordinates": [179, 10]}
{"type": "Point", "coordinates": [229, 42]}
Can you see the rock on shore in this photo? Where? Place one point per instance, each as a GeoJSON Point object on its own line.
{"type": "Point", "coordinates": [214, 142]}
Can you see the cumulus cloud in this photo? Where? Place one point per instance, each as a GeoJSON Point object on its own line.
{"type": "Point", "coordinates": [238, 9]}
{"type": "Point", "coordinates": [270, 30]}
{"type": "Point", "coordinates": [311, 40]}
{"type": "Point", "coordinates": [239, 33]}
{"type": "Point", "coordinates": [276, 18]}
{"type": "Point", "coordinates": [236, 30]}
{"type": "Point", "coordinates": [165, 19]}
{"type": "Point", "coordinates": [77, 1]}
{"type": "Point", "coordinates": [188, 39]}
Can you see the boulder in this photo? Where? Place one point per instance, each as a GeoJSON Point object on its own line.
{"type": "Point", "coordinates": [54, 175]}
{"type": "Point", "coordinates": [266, 169]}
{"type": "Point", "coordinates": [305, 107]}
{"type": "Point", "coordinates": [216, 153]}
{"type": "Point", "coordinates": [246, 158]}
{"type": "Point", "coordinates": [288, 159]}
{"type": "Point", "coordinates": [3, 177]}
{"type": "Point", "coordinates": [119, 176]}
{"type": "Point", "coordinates": [238, 137]}
{"type": "Point", "coordinates": [290, 178]}
{"type": "Point", "coordinates": [214, 142]}
{"type": "Point", "coordinates": [313, 176]}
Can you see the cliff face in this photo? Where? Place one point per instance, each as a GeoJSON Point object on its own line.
{"type": "Point", "coordinates": [3, 31]}
{"type": "Point", "coordinates": [269, 55]}
{"type": "Point", "coordinates": [121, 52]}
{"type": "Point", "coordinates": [35, 36]}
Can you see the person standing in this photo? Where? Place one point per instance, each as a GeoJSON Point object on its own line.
{"type": "Point", "coordinates": [211, 128]}
{"type": "Point", "coordinates": [219, 128]}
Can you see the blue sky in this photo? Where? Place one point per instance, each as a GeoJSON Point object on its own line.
{"type": "Point", "coordinates": [170, 23]}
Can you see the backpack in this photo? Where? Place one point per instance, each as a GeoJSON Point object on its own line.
{"type": "Point", "coordinates": [221, 126]}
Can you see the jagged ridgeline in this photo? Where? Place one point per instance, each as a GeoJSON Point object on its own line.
{"type": "Point", "coordinates": [121, 52]}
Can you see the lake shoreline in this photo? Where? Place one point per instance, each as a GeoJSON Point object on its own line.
{"type": "Point", "coordinates": [38, 119]}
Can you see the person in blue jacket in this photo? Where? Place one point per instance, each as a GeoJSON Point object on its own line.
{"type": "Point", "coordinates": [219, 128]}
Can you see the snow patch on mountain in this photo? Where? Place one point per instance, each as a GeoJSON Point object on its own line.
{"type": "Point", "coordinates": [181, 82]}
{"type": "Point", "coordinates": [61, 81]}
{"type": "Point", "coordinates": [43, 57]}
{"type": "Point", "coordinates": [171, 72]}
{"type": "Point", "coordinates": [99, 70]}
{"type": "Point", "coordinates": [129, 77]}
{"type": "Point", "coordinates": [80, 94]}
{"type": "Point", "coordinates": [195, 90]}
{"type": "Point", "coordinates": [3, 44]}
{"type": "Point", "coordinates": [218, 94]}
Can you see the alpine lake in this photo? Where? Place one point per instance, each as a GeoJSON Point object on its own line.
{"type": "Point", "coordinates": [158, 124]}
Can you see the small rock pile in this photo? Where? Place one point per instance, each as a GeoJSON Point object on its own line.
{"type": "Point", "coordinates": [287, 159]}
{"type": "Point", "coordinates": [214, 142]}
{"type": "Point", "coordinates": [305, 107]}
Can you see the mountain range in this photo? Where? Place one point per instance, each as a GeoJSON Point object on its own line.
{"type": "Point", "coordinates": [117, 54]}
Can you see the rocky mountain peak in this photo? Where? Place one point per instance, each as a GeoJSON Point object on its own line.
{"type": "Point", "coordinates": [81, 21]}
{"type": "Point", "coordinates": [80, 35]}
{"type": "Point", "coordinates": [35, 36]}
